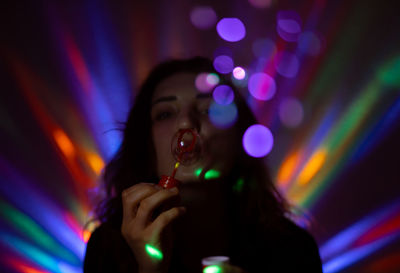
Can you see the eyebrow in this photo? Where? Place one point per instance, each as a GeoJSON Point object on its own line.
{"type": "Point", "coordinates": [203, 95]}
{"type": "Point", "coordinates": [172, 98]}
{"type": "Point", "coordinates": [162, 99]}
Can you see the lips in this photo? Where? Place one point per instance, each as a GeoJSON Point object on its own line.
{"type": "Point", "coordinates": [186, 147]}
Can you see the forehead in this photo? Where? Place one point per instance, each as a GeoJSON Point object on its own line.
{"type": "Point", "coordinates": [176, 84]}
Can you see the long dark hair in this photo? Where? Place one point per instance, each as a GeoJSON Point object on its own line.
{"type": "Point", "coordinates": [255, 196]}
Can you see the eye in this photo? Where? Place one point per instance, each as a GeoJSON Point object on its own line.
{"type": "Point", "coordinates": [163, 115]}
{"type": "Point", "coordinates": [204, 111]}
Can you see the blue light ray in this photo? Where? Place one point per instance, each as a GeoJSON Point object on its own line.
{"type": "Point", "coordinates": [36, 255]}
{"type": "Point", "coordinates": [344, 239]}
{"type": "Point", "coordinates": [39, 207]}
{"type": "Point", "coordinates": [353, 256]}
{"type": "Point", "coordinates": [378, 131]}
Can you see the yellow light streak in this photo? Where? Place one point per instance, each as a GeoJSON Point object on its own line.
{"type": "Point", "coordinates": [313, 165]}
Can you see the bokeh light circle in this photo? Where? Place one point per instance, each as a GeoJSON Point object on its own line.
{"type": "Point", "coordinates": [205, 82]}
{"type": "Point", "coordinates": [239, 73]}
{"type": "Point", "coordinates": [203, 17]}
{"type": "Point", "coordinates": [231, 29]}
{"type": "Point", "coordinates": [223, 94]}
{"type": "Point", "coordinates": [288, 25]}
{"type": "Point", "coordinates": [257, 140]}
{"type": "Point", "coordinates": [309, 43]}
{"type": "Point", "coordinates": [291, 112]}
{"type": "Point", "coordinates": [288, 65]}
{"type": "Point", "coordinates": [223, 116]}
{"type": "Point", "coordinates": [212, 79]}
{"type": "Point", "coordinates": [223, 64]}
{"type": "Point", "coordinates": [262, 86]}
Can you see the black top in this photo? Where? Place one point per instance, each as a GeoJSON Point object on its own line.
{"type": "Point", "coordinates": [287, 249]}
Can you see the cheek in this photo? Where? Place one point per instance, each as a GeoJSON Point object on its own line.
{"type": "Point", "coordinates": [161, 139]}
{"type": "Point", "coordinates": [162, 136]}
{"type": "Point", "coordinates": [221, 142]}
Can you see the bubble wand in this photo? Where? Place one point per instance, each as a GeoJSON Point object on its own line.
{"type": "Point", "coordinates": [187, 147]}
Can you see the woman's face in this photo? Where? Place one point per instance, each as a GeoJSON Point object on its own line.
{"type": "Point", "coordinates": [177, 104]}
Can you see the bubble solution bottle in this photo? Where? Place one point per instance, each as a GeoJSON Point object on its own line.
{"type": "Point", "coordinates": [216, 261]}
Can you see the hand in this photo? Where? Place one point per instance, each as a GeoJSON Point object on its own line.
{"type": "Point", "coordinates": [141, 229]}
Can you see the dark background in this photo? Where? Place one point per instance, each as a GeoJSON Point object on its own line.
{"type": "Point", "coordinates": [75, 65]}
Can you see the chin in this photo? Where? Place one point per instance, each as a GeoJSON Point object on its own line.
{"type": "Point", "coordinates": [187, 175]}
{"type": "Point", "coordinates": [198, 171]}
{"type": "Point", "coordinates": [200, 174]}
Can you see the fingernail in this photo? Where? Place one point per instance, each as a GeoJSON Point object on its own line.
{"type": "Point", "coordinates": [173, 190]}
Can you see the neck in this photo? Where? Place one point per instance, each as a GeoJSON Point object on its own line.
{"type": "Point", "coordinates": [203, 229]}
{"type": "Point", "coordinates": [204, 194]}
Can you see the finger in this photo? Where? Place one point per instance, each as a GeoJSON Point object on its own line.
{"type": "Point", "coordinates": [132, 196]}
{"type": "Point", "coordinates": [138, 186]}
{"type": "Point", "coordinates": [148, 205]}
{"type": "Point", "coordinates": [165, 218]}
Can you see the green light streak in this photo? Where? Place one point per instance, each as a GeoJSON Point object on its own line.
{"type": "Point", "coordinates": [30, 252]}
{"type": "Point", "coordinates": [37, 234]}
{"type": "Point", "coordinates": [354, 116]}
{"type": "Point", "coordinates": [213, 269]}
{"type": "Point", "coordinates": [153, 252]}
{"type": "Point", "coordinates": [390, 73]}
{"type": "Point", "coordinates": [336, 64]}
{"type": "Point", "coordinates": [346, 134]}
{"type": "Point", "coordinates": [342, 136]}
{"type": "Point", "coordinates": [75, 207]}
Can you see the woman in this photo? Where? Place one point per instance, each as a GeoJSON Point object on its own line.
{"type": "Point", "coordinates": [236, 213]}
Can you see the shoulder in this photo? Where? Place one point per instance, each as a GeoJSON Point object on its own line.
{"type": "Point", "coordinates": [282, 247]}
{"type": "Point", "coordinates": [104, 235]}
{"type": "Point", "coordinates": [297, 246]}
{"type": "Point", "coordinates": [296, 233]}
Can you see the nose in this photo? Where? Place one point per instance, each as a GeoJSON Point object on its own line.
{"type": "Point", "coordinates": [188, 119]}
